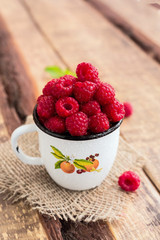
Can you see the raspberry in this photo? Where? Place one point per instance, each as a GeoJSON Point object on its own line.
{"type": "Point", "coordinates": [45, 107]}
{"type": "Point", "coordinates": [77, 124]}
{"type": "Point", "coordinates": [87, 72]}
{"type": "Point", "coordinates": [128, 109]}
{"type": "Point", "coordinates": [39, 98]}
{"type": "Point", "coordinates": [98, 123]}
{"type": "Point", "coordinates": [66, 106]}
{"type": "Point", "coordinates": [91, 108]}
{"type": "Point", "coordinates": [114, 111]}
{"type": "Point", "coordinates": [105, 94]}
{"type": "Point", "coordinates": [63, 87]}
{"type": "Point", "coordinates": [69, 78]}
{"type": "Point", "coordinates": [129, 181]}
{"type": "Point", "coordinates": [47, 90]}
{"type": "Point", "coordinates": [84, 91]}
{"type": "Point", "coordinates": [55, 124]}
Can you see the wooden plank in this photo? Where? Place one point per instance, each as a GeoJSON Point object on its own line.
{"type": "Point", "coordinates": [17, 221]}
{"type": "Point", "coordinates": [138, 20]}
{"type": "Point", "coordinates": [34, 47]}
{"type": "Point", "coordinates": [13, 75]}
{"type": "Point", "coordinates": [111, 50]}
{"type": "Point", "coordinates": [107, 61]}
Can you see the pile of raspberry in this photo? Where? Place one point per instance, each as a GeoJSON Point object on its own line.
{"type": "Point", "coordinates": [80, 106]}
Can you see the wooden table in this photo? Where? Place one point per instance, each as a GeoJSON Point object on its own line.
{"type": "Point", "coordinates": [122, 39]}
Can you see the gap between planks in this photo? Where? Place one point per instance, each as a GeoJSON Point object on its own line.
{"type": "Point", "coordinates": [143, 41]}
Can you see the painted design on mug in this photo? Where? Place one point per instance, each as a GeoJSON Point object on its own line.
{"type": "Point", "coordinates": [69, 164]}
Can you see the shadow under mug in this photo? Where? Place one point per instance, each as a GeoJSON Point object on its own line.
{"type": "Point", "coordinates": [75, 163]}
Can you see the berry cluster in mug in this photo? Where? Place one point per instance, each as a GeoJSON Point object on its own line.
{"type": "Point", "coordinates": [80, 105]}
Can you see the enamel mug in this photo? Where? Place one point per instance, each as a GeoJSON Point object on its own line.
{"type": "Point", "coordinates": [75, 163]}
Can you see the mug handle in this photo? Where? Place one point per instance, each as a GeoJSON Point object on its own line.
{"type": "Point", "coordinates": [19, 153]}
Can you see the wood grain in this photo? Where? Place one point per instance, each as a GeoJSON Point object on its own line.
{"type": "Point", "coordinates": [120, 61]}
{"type": "Point", "coordinates": [138, 20]}
{"type": "Point", "coordinates": [14, 77]}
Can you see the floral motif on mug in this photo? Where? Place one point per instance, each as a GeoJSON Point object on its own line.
{"type": "Point", "coordinates": [68, 164]}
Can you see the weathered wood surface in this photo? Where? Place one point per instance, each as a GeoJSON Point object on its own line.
{"type": "Point", "coordinates": [34, 47]}
{"type": "Point", "coordinates": [118, 58]}
{"type": "Point", "coordinates": [107, 60]}
{"type": "Point", "coordinates": [13, 76]}
{"type": "Point", "coordinates": [137, 19]}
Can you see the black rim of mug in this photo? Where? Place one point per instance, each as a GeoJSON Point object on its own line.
{"type": "Point", "coordinates": [68, 136]}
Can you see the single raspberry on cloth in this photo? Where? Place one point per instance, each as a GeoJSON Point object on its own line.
{"type": "Point", "coordinates": [77, 124]}
{"type": "Point", "coordinates": [45, 107]}
{"type": "Point", "coordinates": [91, 108]}
{"type": "Point", "coordinates": [63, 87]}
{"type": "Point", "coordinates": [66, 106]}
{"type": "Point", "coordinates": [105, 94]}
{"type": "Point", "coordinates": [55, 124]}
{"type": "Point", "coordinates": [87, 72]}
{"type": "Point", "coordinates": [129, 181]}
{"type": "Point", "coordinates": [98, 123]}
{"type": "Point", "coordinates": [114, 111]}
{"type": "Point", "coordinates": [47, 90]}
{"type": "Point", "coordinates": [84, 91]}
{"type": "Point", "coordinates": [128, 109]}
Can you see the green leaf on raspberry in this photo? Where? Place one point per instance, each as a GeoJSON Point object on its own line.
{"type": "Point", "coordinates": [57, 72]}
{"type": "Point", "coordinates": [82, 162]}
{"type": "Point", "coordinates": [57, 164]}
{"type": "Point", "coordinates": [78, 166]}
{"type": "Point", "coordinates": [57, 152]}
{"type": "Point", "coordinates": [68, 72]}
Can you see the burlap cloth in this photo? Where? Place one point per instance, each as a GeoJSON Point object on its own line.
{"type": "Point", "coordinates": [33, 184]}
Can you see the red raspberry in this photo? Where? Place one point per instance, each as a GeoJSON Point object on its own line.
{"type": "Point", "coordinates": [39, 98]}
{"type": "Point", "coordinates": [55, 124]}
{"type": "Point", "coordinates": [66, 106]}
{"type": "Point", "coordinates": [91, 108]}
{"type": "Point", "coordinates": [47, 90]}
{"type": "Point", "coordinates": [114, 111]}
{"type": "Point", "coordinates": [69, 78]}
{"type": "Point", "coordinates": [77, 124]}
{"type": "Point", "coordinates": [128, 109]}
{"type": "Point", "coordinates": [45, 107]}
{"type": "Point", "coordinates": [87, 72]}
{"type": "Point", "coordinates": [63, 87]}
{"type": "Point", "coordinates": [84, 91]}
{"type": "Point", "coordinates": [105, 94]}
{"type": "Point", "coordinates": [98, 123]}
{"type": "Point", "coordinates": [129, 181]}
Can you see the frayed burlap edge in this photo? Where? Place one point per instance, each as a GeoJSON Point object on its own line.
{"type": "Point", "coordinates": [34, 185]}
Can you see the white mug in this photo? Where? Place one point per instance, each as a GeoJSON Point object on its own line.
{"type": "Point", "coordinates": [75, 163]}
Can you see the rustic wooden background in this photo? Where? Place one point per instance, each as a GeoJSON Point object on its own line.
{"type": "Point", "coordinates": [122, 39]}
